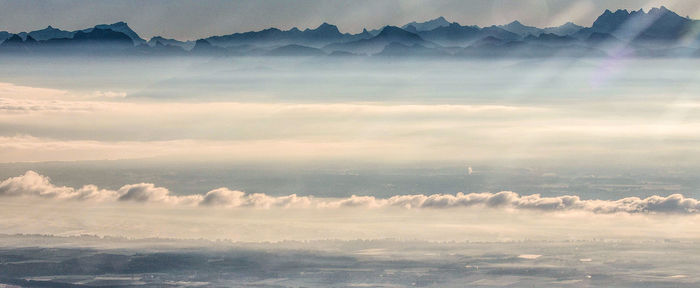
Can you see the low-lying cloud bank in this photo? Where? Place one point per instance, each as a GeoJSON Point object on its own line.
{"type": "Point", "coordinates": [32, 184]}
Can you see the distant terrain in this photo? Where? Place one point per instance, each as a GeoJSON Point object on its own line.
{"type": "Point", "coordinates": [88, 261]}
{"type": "Point", "coordinates": [658, 32]}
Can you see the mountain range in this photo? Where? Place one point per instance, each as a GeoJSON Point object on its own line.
{"type": "Point", "coordinates": [658, 32]}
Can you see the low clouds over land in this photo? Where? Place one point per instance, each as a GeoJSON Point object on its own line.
{"type": "Point", "coordinates": [35, 185]}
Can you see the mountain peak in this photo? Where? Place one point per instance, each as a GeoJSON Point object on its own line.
{"type": "Point", "coordinates": [119, 24]}
{"type": "Point", "coordinates": [658, 23]}
{"type": "Point", "coordinates": [325, 27]}
{"type": "Point", "coordinates": [122, 27]}
{"type": "Point", "coordinates": [437, 21]}
{"type": "Point", "coordinates": [427, 25]}
{"type": "Point", "coordinates": [48, 28]}
{"type": "Point", "coordinates": [609, 21]}
{"type": "Point", "coordinates": [13, 39]}
{"type": "Point", "coordinates": [516, 22]}
{"type": "Point", "coordinates": [393, 33]}
{"type": "Point", "coordinates": [661, 11]}
{"type": "Point", "coordinates": [392, 30]}
{"type": "Point", "coordinates": [202, 44]}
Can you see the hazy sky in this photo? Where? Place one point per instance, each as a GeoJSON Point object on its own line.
{"type": "Point", "coordinates": [552, 112]}
{"type": "Point", "coordinates": [196, 19]}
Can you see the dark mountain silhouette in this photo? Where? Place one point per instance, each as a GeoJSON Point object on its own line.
{"type": "Point", "coordinates": [322, 32]}
{"type": "Point", "coordinates": [610, 22]}
{"type": "Point", "coordinates": [186, 45]}
{"type": "Point", "coordinates": [489, 41]}
{"type": "Point", "coordinates": [14, 40]}
{"type": "Point", "coordinates": [665, 25]}
{"type": "Point", "coordinates": [453, 34]}
{"type": "Point", "coordinates": [363, 35]}
{"type": "Point", "coordinates": [15, 44]}
{"type": "Point", "coordinates": [458, 35]}
{"type": "Point", "coordinates": [322, 35]}
{"type": "Point", "coordinates": [656, 33]}
{"type": "Point", "coordinates": [203, 47]}
{"type": "Point", "coordinates": [520, 29]}
{"type": "Point", "coordinates": [393, 33]}
{"type": "Point", "coordinates": [50, 33]}
{"type": "Point", "coordinates": [263, 37]}
{"type": "Point", "coordinates": [159, 49]}
{"type": "Point", "coordinates": [659, 24]}
{"type": "Point", "coordinates": [390, 34]}
{"type": "Point", "coordinates": [119, 27]}
{"type": "Point", "coordinates": [415, 27]}
{"type": "Point", "coordinates": [499, 33]}
{"type": "Point", "coordinates": [95, 36]}
{"type": "Point", "coordinates": [94, 42]}
{"type": "Point", "coordinates": [523, 30]}
{"type": "Point", "coordinates": [4, 35]}
{"type": "Point", "coordinates": [567, 29]}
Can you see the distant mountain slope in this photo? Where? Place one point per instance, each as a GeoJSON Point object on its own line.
{"type": "Point", "coordinates": [390, 34]}
{"type": "Point", "coordinates": [96, 41]}
{"type": "Point", "coordinates": [50, 33]}
{"type": "Point", "coordinates": [120, 27]}
{"type": "Point", "coordinates": [658, 32]}
{"type": "Point", "coordinates": [453, 34]}
{"type": "Point", "coordinates": [203, 47]}
{"type": "Point", "coordinates": [567, 29]}
{"type": "Point", "coordinates": [158, 49]}
{"type": "Point", "coordinates": [96, 36]}
{"type": "Point", "coordinates": [415, 27]}
{"type": "Point", "coordinates": [186, 45]}
{"type": "Point", "coordinates": [322, 35]}
{"type": "Point", "coordinates": [520, 29]}
{"type": "Point", "coordinates": [659, 24]}
{"type": "Point", "coordinates": [15, 44]}
{"type": "Point", "coordinates": [458, 35]}
{"type": "Point", "coordinates": [4, 35]}
{"type": "Point", "coordinates": [523, 30]}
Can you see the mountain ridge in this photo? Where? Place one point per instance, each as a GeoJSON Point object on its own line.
{"type": "Point", "coordinates": [654, 32]}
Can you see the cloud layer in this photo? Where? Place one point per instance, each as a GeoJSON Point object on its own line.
{"type": "Point", "coordinates": [32, 184]}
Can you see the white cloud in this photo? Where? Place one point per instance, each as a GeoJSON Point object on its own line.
{"type": "Point", "coordinates": [147, 192]}
{"type": "Point", "coordinates": [228, 198]}
{"type": "Point", "coordinates": [32, 184]}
